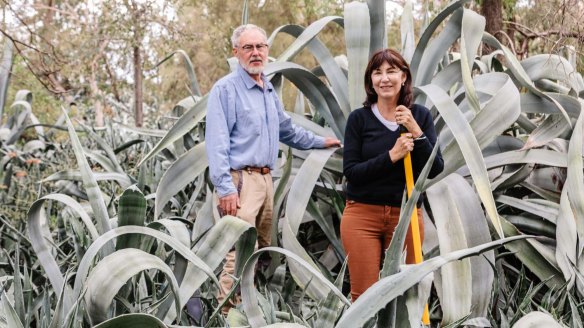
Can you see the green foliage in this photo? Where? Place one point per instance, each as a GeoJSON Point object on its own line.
{"type": "Point", "coordinates": [510, 132]}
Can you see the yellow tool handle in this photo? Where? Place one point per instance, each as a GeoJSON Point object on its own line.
{"type": "Point", "coordinates": [414, 226]}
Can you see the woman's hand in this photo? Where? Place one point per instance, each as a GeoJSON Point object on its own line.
{"type": "Point", "coordinates": [403, 145]}
{"type": "Point", "coordinates": [403, 116]}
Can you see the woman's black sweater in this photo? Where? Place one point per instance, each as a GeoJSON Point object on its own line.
{"type": "Point", "coordinates": [372, 177]}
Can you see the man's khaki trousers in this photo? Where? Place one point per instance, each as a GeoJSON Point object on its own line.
{"type": "Point", "coordinates": [256, 197]}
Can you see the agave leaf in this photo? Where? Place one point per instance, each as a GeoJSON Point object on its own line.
{"type": "Point", "coordinates": [245, 13]}
{"type": "Point", "coordinates": [553, 67]}
{"type": "Point", "coordinates": [388, 288]}
{"type": "Point", "coordinates": [425, 61]}
{"type": "Point", "coordinates": [531, 103]}
{"type": "Point", "coordinates": [281, 190]}
{"type": "Point", "coordinates": [408, 36]}
{"type": "Point", "coordinates": [120, 178]}
{"type": "Point", "coordinates": [499, 112]}
{"type": "Point", "coordinates": [194, 87]}
{"type": "Point", "coordinates": [537, 319]}
{"type": "Point", "coordinates": [531, 156]}
{"type": "Point", "coordinates": [143, 131]}
{"type": "Point", "coordinates": [327, 226]}
{"type": "Point", "coordinates": [248, 291]}
{"type": "Point", "coordinates": [12, 318]}
{"type": "Point", "coordinates": [127, 145]}
{"type": "Point", "coordinates": [307, 175]}
{"type": "Point", "coordinates": [112, 272]}
{"type": "Point", "coordinates": [180, 174]}
{"type": "Point", "coordinates": [100, 159]}
{"type": "Point", "coordinates": [535, 226]}
{"type": "Point", "coordinates": [133, 320]}
{"type": "Point", "coordinates": [315, 90]}
{"type": "Point", "coordinates": [328, 310]}
{"type": "Point", "coordinates": [95, 247]}
{"type": "Point", "coordinates": [176, 229]}
{"type": "Point", "coordinates": [456, 191]}
{"type": "Point", "coordinates": [5, 69]}
{"type": "Point", "coordinates": [309, 125]}
{"type": "Point", "coordinates": [212, 251]}
{"type": "Point", "coordinates": [18, 287]}
{"type": "Point", "coordinates": [334, 163]}
{"type": "Point", "coordinates": [58, 316]}
{"type": "Point", "coordinates": [553, 126]}
{"type": "Point", "coordinates": [299, 105]}
{"type": "Point", "coordinates": [575, 177]}
{"type": "Point", "coordinates": [358, 39]}
{"type": "Point", "coordinates": [378, 25]}
{"type": "Point", "coordinates": [567, 251]}
{"type": "Point", "coordinates": [529, 253]}
{"type": "Point", "coordinates": [469, 147]}
{"type": "Point", "coordinates": [90, 183]}
{"type": "Point", "coordinates": [187, 122]}
{"type": "Point", "coordinates": [546, 85]}
{"type": "Point", "coordinates": [307, 38]}
{"type": "Point", "coordinates": [543, 211]}
{"type": "Point", "coordinates": [456, 286]}
{"type": "Point", "coordinates": [523, 79]}
{"type": "Point", "coordinates": [131, 211]}
{"type": "Point", "coordinates": [36, 221]}
{"type": "Point", "coordinates": [576, 319]}
{"type": "Point", "coordinates": [18, 123]}
{"type": "Point", "coordinates": [106, 148]}
{"type": "Point", "coordinates": [305, 280]}
{"type": "Point", "coordinates": [205, 219]}
{"type": "Point", "coordinates": [179, 231]}
{"type": "Point", "coordinates": [472, 27]}
{"type": "Point", "coordinates": [415, 300]}
{"type": "Point", "coordinates": [431, 56]}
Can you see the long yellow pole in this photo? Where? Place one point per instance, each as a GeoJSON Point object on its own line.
{"type": "Point", "coordinates": [414, 226]}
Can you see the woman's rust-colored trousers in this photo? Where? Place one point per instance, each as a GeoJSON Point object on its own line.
{"type": "Point", "coordinates": [366, 231]}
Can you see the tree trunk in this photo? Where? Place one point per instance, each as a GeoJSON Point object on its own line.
{"type": "Point", "coordinates": [96, 94]}
{"type": "Point", "coordinates": [138, 98]}
{"type": "Point", "coordinates": [493, 12]}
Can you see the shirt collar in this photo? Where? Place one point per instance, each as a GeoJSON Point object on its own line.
{"type": "Point", "coordinates": [249, 82]}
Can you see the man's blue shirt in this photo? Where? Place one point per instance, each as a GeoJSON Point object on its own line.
{"type": "Point", "coordinates": [244, 124]}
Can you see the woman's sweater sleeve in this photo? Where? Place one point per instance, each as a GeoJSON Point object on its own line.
{"type": "Point", "coordinates": [423, 148]}
{"type": "Point", "coordinates": [356, 169]}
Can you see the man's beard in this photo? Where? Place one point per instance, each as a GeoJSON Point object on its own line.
{"type": "Point", "coordinates": [254, 69]}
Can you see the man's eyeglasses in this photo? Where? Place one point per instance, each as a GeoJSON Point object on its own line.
{"type": "Point", "coordinates": [249, 47]}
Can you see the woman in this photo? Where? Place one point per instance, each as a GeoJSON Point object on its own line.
{"type": "Point", "coordinates": [373, 164]}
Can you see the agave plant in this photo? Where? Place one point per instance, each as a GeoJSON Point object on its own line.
{"type": "Point", "coordinates": [134, 218]}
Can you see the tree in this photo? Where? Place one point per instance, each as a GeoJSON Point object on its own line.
{"type": "Point", "coordinates": [98, 48]}
{"type": "Point", "coordinates": [493, 12]}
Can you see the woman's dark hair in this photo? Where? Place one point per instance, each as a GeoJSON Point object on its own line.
{"type": "Point", "coordinates": [394, 59]}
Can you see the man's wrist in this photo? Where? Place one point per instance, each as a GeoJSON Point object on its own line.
{"type": "Point", "coordinates": [226, 193]}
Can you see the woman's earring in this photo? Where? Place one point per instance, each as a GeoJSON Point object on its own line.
{"type": "Point", "coordinates": [403, 84]}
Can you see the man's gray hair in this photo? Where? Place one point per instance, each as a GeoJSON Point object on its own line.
{"type": "Point", "coordinates": [242, 28]}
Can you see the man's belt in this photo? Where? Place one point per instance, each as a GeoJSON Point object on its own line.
{"type": "Point", "coordinates": [260, 170]}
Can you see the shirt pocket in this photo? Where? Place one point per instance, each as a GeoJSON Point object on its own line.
{"type": "Point", "coordinates": [250, 120]}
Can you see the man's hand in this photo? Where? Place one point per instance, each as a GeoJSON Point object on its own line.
{"type": "Point", "coordinates": [331, 142]}
{"type": "Point", "coordinates": [229, 204]}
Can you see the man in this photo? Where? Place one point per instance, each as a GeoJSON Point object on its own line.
{"type": "Point", "coordinates": [245, 121]}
